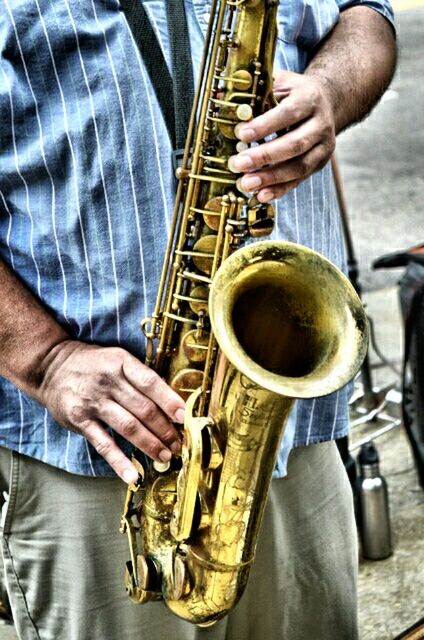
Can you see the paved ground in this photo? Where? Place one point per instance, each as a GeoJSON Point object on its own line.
{"type": "Point", "coordinates": [382, 163]}
{"type": "Point", "coordinates": [7, 633]}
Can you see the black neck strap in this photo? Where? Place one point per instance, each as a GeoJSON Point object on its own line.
{"type": "Point", "coordinates": [174, 93]}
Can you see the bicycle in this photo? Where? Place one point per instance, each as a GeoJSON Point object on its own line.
{"type": "Point", "coordinates": [411, 293]}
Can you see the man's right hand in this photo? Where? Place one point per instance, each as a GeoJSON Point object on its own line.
{"type": "Point", "coordinates": [86, 387]}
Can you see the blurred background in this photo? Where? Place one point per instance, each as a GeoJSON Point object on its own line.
{"type": "Point", "coordinates": [381, 162]}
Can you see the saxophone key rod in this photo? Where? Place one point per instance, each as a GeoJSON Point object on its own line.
{"type": "Point", "coordinates": [204, 178]}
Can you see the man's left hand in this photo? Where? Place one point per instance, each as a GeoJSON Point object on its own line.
{"type": "Point", "coordinates": [305, 115]}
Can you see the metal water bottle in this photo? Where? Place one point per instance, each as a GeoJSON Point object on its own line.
{"type": "Point", "coordinates": [373, 506]}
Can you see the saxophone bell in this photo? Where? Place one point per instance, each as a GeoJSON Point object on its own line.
{"type": "Point", "coordinates": [288, 319]}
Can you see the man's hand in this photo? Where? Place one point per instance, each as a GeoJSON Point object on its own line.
{"type": "Point", "coordinates": [346, 76]}
{"type": "Point", "coordinates": [305, 112]}
{"type": "Point", "coordinates": [86, 387]}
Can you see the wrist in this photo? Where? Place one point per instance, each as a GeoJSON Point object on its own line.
{"type": "Point", "coordinates": [355, 63]}
{"type": "Point", "coordinates": [329, 89]}
{"type": "Point", "coordinates": [48, 365]}
{"type": "Point", "coordinates": [27, 366]}
{"type": "Point", "coordinates": [28, 333]}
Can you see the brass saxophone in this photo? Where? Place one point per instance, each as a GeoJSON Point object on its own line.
{"type": "Point", "coordinates": [239, 333]}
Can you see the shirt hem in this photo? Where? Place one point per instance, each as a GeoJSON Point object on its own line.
{"type": "Point", "coordinates": [303, 442]}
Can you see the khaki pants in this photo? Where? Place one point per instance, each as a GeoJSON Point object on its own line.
{"type": "Point", "coordinates": [64, 558]}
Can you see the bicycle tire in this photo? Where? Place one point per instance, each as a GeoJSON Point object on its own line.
{"type": "Point", "coordinates": [413, 384]}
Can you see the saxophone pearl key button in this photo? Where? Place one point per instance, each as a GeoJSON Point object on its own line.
{"type": "Point", "coordinates": [244, 112]}
{"type": "Point", "coordinates": [241, 146]}
{"type": "Point", "coordinates": [161, 467]}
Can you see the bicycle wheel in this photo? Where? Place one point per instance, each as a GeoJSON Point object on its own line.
{"type": "Point", "coordinates": [413, 387]}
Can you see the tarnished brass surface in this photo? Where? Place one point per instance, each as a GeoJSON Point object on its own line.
{"type": "Point", "coordinates": [239, 333]}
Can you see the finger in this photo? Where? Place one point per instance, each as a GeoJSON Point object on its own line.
{"type": "Point", "coordinates": [149, 414]}
{"type": "Point", "coordinates": [151, 385]}
{"type": "Point", "coordinates": [277, 191]}
{"type": "Point", "coordinates": [106, 447]}
{"type": "Point", "coordinates": [296, 169]}
{"type": "Point", "coordinates": [312, 161]}
{"type": "Point", "coordinates": [288, 113]}
{"type": "Point", "coordinates": [290, 145]}
{"type": "Point", "coordinates": [127, 425]}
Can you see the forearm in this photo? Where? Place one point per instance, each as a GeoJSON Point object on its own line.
{"type": "Point", "coordinates": [356, 62]}
{"type": "Point", "coordinates": [86, 386]}
{"type": "Point", "coordinates": [28, 333]}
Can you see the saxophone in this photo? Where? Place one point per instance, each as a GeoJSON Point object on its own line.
{"type": "Point", "coordinates": [239, 333]}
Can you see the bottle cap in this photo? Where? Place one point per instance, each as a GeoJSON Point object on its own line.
{"type": "Point", "coordinates": [368, 454]}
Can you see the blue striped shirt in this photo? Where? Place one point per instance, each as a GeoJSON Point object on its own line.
{"type": "Point", "coordinates": [86, 189]}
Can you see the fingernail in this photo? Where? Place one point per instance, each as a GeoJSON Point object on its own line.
{"type": "Point", "coordinates": [165, 455]}
{"type": "Point", "coordinates": [239, 186]}
{"type": "Point", "coordinates": [239, 163]}
{"type": "Point", "coordinates": [266, 196]}
{"type": "Point", "coordinates": [249, 183]}
{"type": "Point", "coordinates": [179, 416]}
{"type": "Point", "coordinates": [244, 133]}
{"type": "Point", "coordinates": [130, 476]}
{"type": "Point", "coordinates": [175, 446]}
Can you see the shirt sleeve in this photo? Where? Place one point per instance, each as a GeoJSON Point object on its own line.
{"type": "Point", "coordinates": [381, 6]}
{"type": "Point", "coordinates": [307, 22]}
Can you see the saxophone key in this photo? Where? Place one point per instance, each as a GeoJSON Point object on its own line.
{"type": "Point", "coordinates": [244, 112]}
{"type": "Point", "coordinates": [240, 79]}
{"type": "Point", "coordinates": [149, 581]}
{"type": "Point", "coordinates": [260, 219]}
{"type": "Point", "coordinates": [203, 253]}
{"type": "Point", "coordinates": [198, 299]}
{"type": "Point", "coordinates": [179, 584]}
{"type": "Point", "coordinates": [161, 467]}
{"type": "Point", "coordinates": [241, 146]}
{"type": "Point", "coordinates": [212, 457]}
{"type": "Point", "coordinates": [179, 318]}
{"type": "Point", "coordinates": [186, 381]}
{"type": "Point", "coordinates": [182, 174]}
{"type": "Point", "coordinates": [215, 208]}
{"type": "Point", "coordinates": [135, 591]}
{"type": "Point", "coordinates": [195, 346]}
